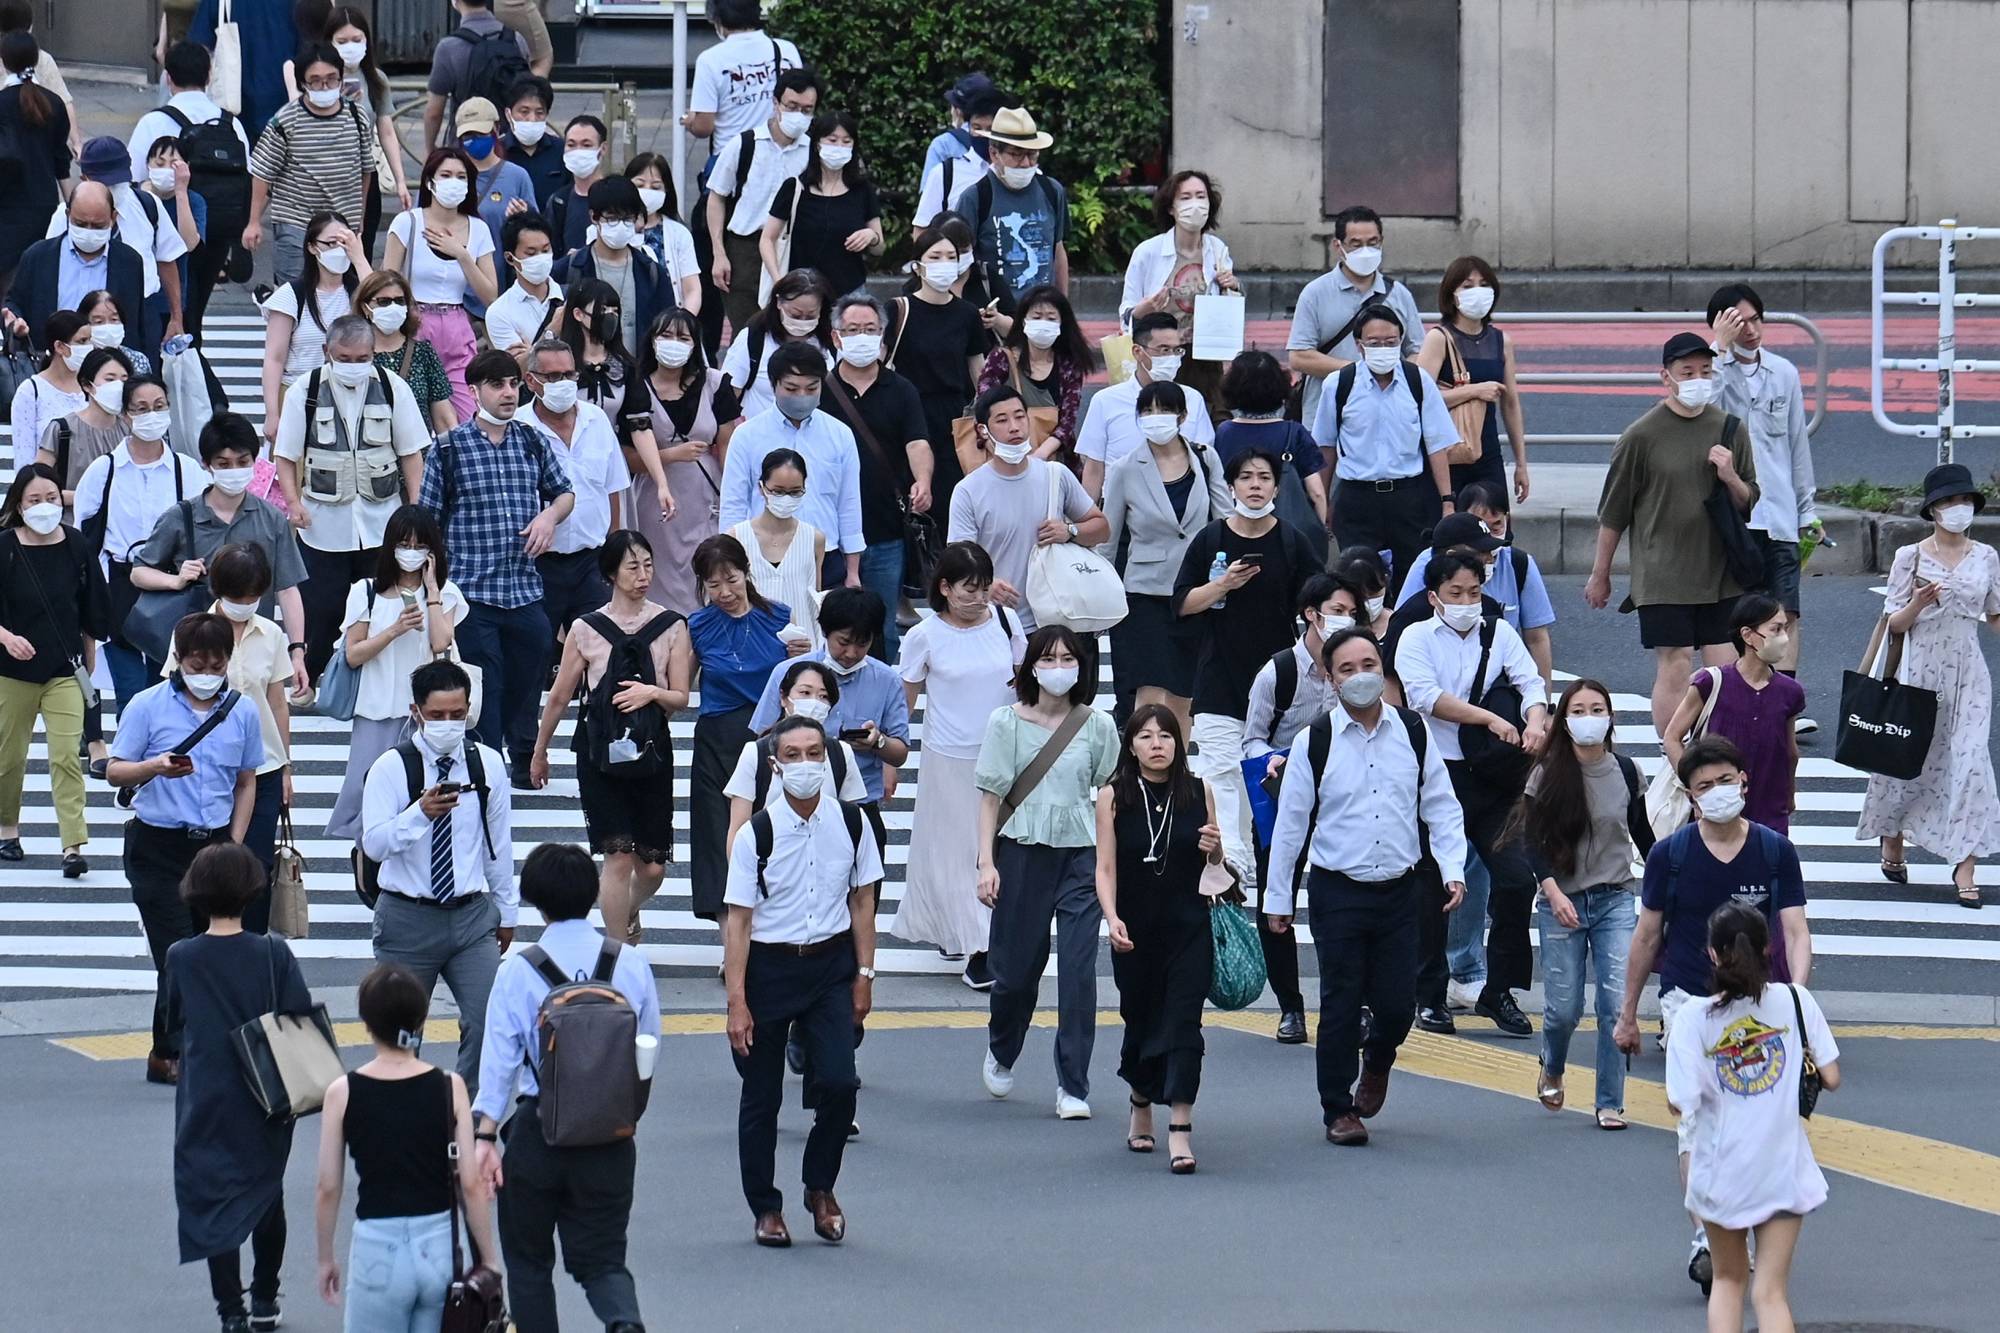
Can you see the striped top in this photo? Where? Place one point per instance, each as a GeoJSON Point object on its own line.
{"type": "Point", "coordinates": [315, 162]}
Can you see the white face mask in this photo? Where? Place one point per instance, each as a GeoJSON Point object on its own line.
{"type": "Point", "coordinates": [89, 240]}
{"type": "Point", "coordinates": [351, 374]}
{"type": "Point", "coordinates": [1261, 511]}
{"type": "Point", "coordinates": [389, 318]}
{"type": "Point", "coordinates": [238, 611]}
{"type": "Point", "coordinates": [335, 260]}
{"type": "Point", "coordinates": [1374, 609]}
{"type": "Point", "coordinates": [1695, 392]}
{"type": "Point", "coordinates": [449, 191]}
{"type": "Point", "coordinates": [1042, 332]}
{"type": "Point", "coordinates": [1056, 680]}
{"type": "Point", "coordinates": [653, 200]}
{"type": "Point", "coordinates": [792, 124]}
{"type": "Point", "coordinates": [151, 426]}
{"type": "Point", "coordinates": [1166, 365]}
{"type": "Point", "coordinates": [580, 162]}
{"type": "Point", "coordinates": [232, 480]}
{"type": "Point", "coordinates": [798, 328]}
{"type": "Point", "coordinates": [559, 396]}
{"type": "Point", "coordinates": [964, 264]}
{"type": "Point", "coordinates": [1721, 804]}
{"type": "Point", "coordinates": [107, 335]}
{"type": "Point", "coordinates": [42, 518]}
{"type": "Point", "coordinates": [1475, 302]}
{"type": "Point", "coordinates": [802, 780]}
{"type": "Point", "coordinates": [161, 179]}
{"type": "Point", "coordinates": [1012, 453]}
{"type": "Point", "coordinates": [494, 418]}
{"type": "Point", "coordinates": [941, 273]}
{"type": "Point", "coordinates": [1459, 616]}
{"type": "Point", "coordinates": [1586, 729]}
{"type": "Point", "coordinates": [536, 268]}
{"type": "Point", "coordinates": [861, 349]}
{"type": "Point", "coordinates": [110, 396]}
{"type": "Point", "coordinates": [410, 559]}
{"type": "Point", "coordinates": [617, 234]}
{"type": "Point", "coordinates": [1016, 178]}
{"type": "Point", "coordinates": [1362, 689]}
{"type": "Point", "coordinates": [202, 687]}
{"type": "Point", "coordinates": [672, 352]}
{"type": "Point", "coordinates": [816, 709]}
{"type": "Point", "coordinates": [528, 133]}
{"type": "Point", "coordinates": [834, 156]}
{"type": "Point", "coordinates": [783, 506]}
{"type": "Point", "coordinates": [1953, 518]}
{"type": "Point", "coordinates": [351, 53]}
{"type": "Point", "coordinates": [1159, 427]}
{"type": "Point", "coordinates": [325, 99]}
{"type": "Point", "coordinates": [1382, 360]}
{"type": "Point", "coordinates": [1363, 260]}
{"type": "Point", "coordinates": [1334, 624]}
{"type": "Point", "coordinates": [446, 736]}
{"type": "Point", "coordinates": [1192, 213]}
{"type": "Point", "coordinates": [73, 358]}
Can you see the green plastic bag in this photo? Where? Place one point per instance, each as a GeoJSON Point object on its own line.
{"type": "Point", "coordinates": [1238, 977]}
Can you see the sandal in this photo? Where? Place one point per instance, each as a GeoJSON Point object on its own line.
{"type": "Point", "coordinates": [1896, 872]}
{"type": "Point", "coordinates": [1609, 1119]}
{"type": "Point", "coordinates": [1139, 1142]}
{"type": "Point", "coordinates": [1968, 894]}
{"type": "Point", "coordinates": [1548, 1093]}
{"type": "Point", "coordinates": [1181, 1164]}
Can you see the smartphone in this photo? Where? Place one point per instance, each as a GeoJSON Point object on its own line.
{"type": "Point", "coordinates": [180, 760]}
{"type": "Point", "coordinates": [1252, 557]}
{"type": "Point", "coordinates": [409, 599]}
{"type": "Point", "coordinates": [852, 734]}
{"type": "Point", "coordinates": [450, 788]}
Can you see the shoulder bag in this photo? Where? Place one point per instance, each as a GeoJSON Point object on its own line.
{"type": "Point", "coordinates": [1044, 760]}
{"type": "Point", "coordinates": [340, 682]}
{"type": "Point", "coordinates": [225, 80]}
{"type": "Point", "coordinates": [1886, 727]}
{"type": "Point", "coordinates": [1069, 583]}
{"type": "Point", "coordinates": [289, 1060]}
{"type": "Point", "coordinates": [288, 882]}
{"type": "Point", "coordinates": [1468, 416]}
{"type": "Point", "coordinates": [1742, 556]}
{"type": "Point", "coordinates": [765, 281]}
{"type": "Point", "coordinates": [922, 543]}
{"type": "Point", "coordinates": [476, 1300]}
{"type": "Point", "coordinates": [965, 441]}
{"type": "Point", "coordinates": [76, 666]}
{"type": "Point", "coordinates": [1487, 757]}
{"type": "Point", "coordinates": [1809, 1080]}
{"type": "Point", "coordinates": [1667, 805]}
{"type": "Point", "coordinates": [155, 612]}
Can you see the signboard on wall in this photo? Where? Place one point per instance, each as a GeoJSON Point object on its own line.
{"type": "Point", "coordinates": [1390, 131]}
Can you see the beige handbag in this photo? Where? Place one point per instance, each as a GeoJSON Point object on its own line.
{"type": "Point", "coordinates": [1469, 416]}
{"type": "Point", "coordinates": [288, 883]}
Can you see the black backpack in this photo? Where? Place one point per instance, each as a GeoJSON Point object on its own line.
{"type": "Point", "coordinates": [368, 881]}
{"type": "Point", "coordinates": [631, 659]}
{"type": "Point", "coordinates": [492, 66]}
{"type": "Point", "coordinates": [762, 837]}
{"type": "Point", "coordinates": [218, 169]}
{"type": "Point", "coordinates": [767, 749]}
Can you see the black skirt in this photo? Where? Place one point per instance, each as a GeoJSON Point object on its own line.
{"type": "Point", "coordinates": [628, 814]}
{"type": "Point", "coordinates": [1152, 647]}
{"type": "Point", "coordinates": [719, 739]}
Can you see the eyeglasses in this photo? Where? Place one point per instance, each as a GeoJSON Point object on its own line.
{"type": "Point", "coordinates": [555, 376]}
{"type": "Point", "coordinates": [324, 85]}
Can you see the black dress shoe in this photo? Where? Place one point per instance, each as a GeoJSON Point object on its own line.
{"type": "Point", "coordinates": [1436, 1020]}
{"type": "Point", "coordinates": [74, 866]}
{"type": "Point", "coordinates": [10, 850]}
{"type": "Point", "coordinates": [1505, 1014]}
{"type": "Point", "coordinates": [1292, 1028]}
{"type": "Point", "coordinates": [795, 1053]}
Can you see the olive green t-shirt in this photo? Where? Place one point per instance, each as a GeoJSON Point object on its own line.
{"type": "Point", "coordinates": [1658, 480]}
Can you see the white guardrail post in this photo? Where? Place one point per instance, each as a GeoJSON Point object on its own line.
{"type": "Point", "coordinates": [1947, 364]}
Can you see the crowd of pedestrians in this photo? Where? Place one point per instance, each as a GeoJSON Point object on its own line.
{"type": "Point", "coordinates": [554, 440]}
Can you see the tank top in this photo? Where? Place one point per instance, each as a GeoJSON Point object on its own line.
{"type": "Point", "coordinates": [793, 581]}
{"type": "Point", "coordinates": [398, 1131]}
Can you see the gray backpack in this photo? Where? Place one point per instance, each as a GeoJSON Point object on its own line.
{"type": "Point", "coordinates": [584, 1058]}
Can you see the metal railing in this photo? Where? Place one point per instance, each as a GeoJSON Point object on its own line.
{"type": "Point", "coordinates": [1947, 300]}
{"type": "Point", "coordinates": [1651, 378]}
{"type": "Point", "coordinates": [619, 111]}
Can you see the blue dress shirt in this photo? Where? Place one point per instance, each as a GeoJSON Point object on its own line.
{"type": "Point", "coordinates": [874, 693]}
{"type": "Point", "coordinates": [1379, 436]}
{"type": "Point", "coordinates": [158, 719]}
{"type": "Point", "coordinates": [833, 474]}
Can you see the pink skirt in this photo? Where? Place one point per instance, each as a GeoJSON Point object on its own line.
{"type": "Point", "coordinates": [448, 330]}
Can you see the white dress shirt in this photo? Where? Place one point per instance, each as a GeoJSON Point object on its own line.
{"type": "Point", "coordinates": [156, 245]}
{"type": "Point", "coordinates": [1434, 659]}
{"type": "Point", "coordinates": [396, 831]}
{"type": "Point", "coordinates": [813, 867]}
{"type": "Point", "coordinates": [596, 467]}
{"type": "Point", "coordinates": [515, 1005]}
{"type": "Point", "coordinates": [1377, 436]}
{"type": "Point", "coordinates": [1110, 428]}
{"type": "Point", "coordinates": [833, 474]}
{"type": "Point", "coordinates": [1313, 698]}
{"type": "Point", "coordinates": [515, 319]}
{"type": "Point", "coordinates": [1369, 799]}
{"type": "Point", "coordinates": [140, 493]}
{"type": "Point", "coordinates": [771, 165]}
{"type": "Point", "coordinates": [359, 524]}
{"type": "Point", "coordinates": [934, 198]}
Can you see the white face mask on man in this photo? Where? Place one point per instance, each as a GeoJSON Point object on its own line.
{"type": "Point", "coordinates": [1695, 392]}
{"type": "Point", "coordinates": [1721, 803]}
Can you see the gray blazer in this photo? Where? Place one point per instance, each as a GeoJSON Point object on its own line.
{"type": "Point", "coordinates": [1135, 502]}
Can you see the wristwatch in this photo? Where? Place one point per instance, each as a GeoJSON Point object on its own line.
{"type": "Point", "coordinates": [486, 1136]}
{"type": "Point", "coordinates": [295, 647]}
{"type": "Point", "coordinates": [868, 972]}
{"type": "Point", "coordinates": [1072, 530]}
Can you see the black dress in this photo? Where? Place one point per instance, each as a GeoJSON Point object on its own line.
{"type": "Point", "coordinates": [1163, 982]}
{"type": "Point", "coordinates": [821, 228]}
{"type": "Point", "coordinates": [933, 354]}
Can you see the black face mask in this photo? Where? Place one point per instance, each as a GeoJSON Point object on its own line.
{"type": "Point", "coordinates": [984, 148]}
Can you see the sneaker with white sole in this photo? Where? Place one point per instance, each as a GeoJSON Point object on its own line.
{"type": "Point", "coordinates": [1460, 996]}
{"type": "Point", "coordinates": [998, 1078]}
{"type": "Point", "coordinates": [1071, 1108]}
{"type": "Point", "coordinates": [1804, 726]}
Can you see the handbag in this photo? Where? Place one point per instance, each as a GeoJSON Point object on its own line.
{"type": "Point", "coordinates": [1487, 757]}
{"type": "Point", "coordinates": [1237, 977]}
{"type": "Point", "coordinates": [921, 542]}
{"type": "Point", "coordinates": [339, 691]}
{"type": "Point", "coordinates": [289, 1060]}
{"type": "Point", "coordinates": [288, 882]}
{"type": "Point", "coordinates": [77, 668]}
{"type": "Point", "coordinates": [149, 629]}
{"type": "Point", "coordinates": [1742, 555]}
{"type": "Point", "coordinates": [1809, 1079]}
{"type": "Point", "coordinates": [476, 1300]}
{"type": "Point", "coordinates": [17, 367]}
{"type": "Point", "coordinates": [1070, 584]}
{"type": "Point", "coordinates": [1468, 416]}
{"type": "Point", "coordinates": [1886, 727]}
{"type": "Point", "coordinates": [1667, 803]}
{"type": "Point", "coordinates": [1119, 363]}
{"type": "Point", "coordinates": [971, 450]}
{"type": "Point", "coordinates": [225, 78]}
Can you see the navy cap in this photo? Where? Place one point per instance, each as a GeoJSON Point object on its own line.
{"type": "Point", "coordinates": [106, 160]}
{"type": "Point", "coordinates": [1464, 530]}
{"type": "Point", "coordinates": [969, 90]}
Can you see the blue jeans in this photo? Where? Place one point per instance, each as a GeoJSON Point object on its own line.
{"type": "Point", "coordinates": [1465, 937]}
{"type": "Point", "coordinates": [1605, 917]}
{"type": "Point", "coordinates": [398, 1270]}
{"type": "Point", "coordinates": [882, 574]}
{"type": "Point", "coordinates": [511, 645]}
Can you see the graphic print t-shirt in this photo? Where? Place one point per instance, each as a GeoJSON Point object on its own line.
{"type": "Point", "coordinates": [1021, 232]}
{"type": "Point", "coordinates": [1704, 885]}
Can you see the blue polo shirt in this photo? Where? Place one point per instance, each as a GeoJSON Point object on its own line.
{"type": "Point", "coordinates": [874, 693]}
{"type": "Point", "coordinates": [157, 720]}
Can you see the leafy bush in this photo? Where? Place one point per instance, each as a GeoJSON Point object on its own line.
{"type": "Point", "coordinates": [1089, 71]}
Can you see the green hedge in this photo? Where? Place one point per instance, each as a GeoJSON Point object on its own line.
{"type": "Point", "coordinates": [1089, 71]}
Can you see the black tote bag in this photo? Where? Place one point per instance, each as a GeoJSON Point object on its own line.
{"type": "Point", "coordinates": [1741, 554]}
{"type": "Point", "coordinates": [149, 626]}
{"type": "Point", "coordinates": [1885, 726]}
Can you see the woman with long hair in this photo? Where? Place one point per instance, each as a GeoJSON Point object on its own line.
{"type": "Point", "coordinates": [383, 299]}
{"type": "Point", "coordinates": [1156, 829]}
{"type": "Point", "coordinates": [786, 552]}
{"type": "Point", "coordinates": [836, 223]}
{"type": "Point", "coordinates": [1046, 358]}
{"type": "Point", "coordinates": [661, 231]}
{"type": "Point", "coordinates": [36, 126]}
{"type": "Point", "coordinates": [607, 374]}
{"type": "Point", "coordinates": [1581, 819]}
{"type": "Point", "coordinates": [1734, 1067]}
{"type": "Point", "coordinates": [298, 313]}
{"type": "Point", "coordinates": [800, 310]}
{"type": "Point", "coordinates": [692, 414]}
{"type": "Point", "coordinates": [450, 259]}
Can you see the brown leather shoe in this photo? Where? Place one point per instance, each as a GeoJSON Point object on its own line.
{"type": "Point", "coordinates": [829, 1223]}
{"type": "Point", "coordinates": [1370, 1093]}
{"type": "Point", "coordinates": [1347, 1131]}
{"type": "Point", "coordinates": [162, 1069]}
{"type": "Point", "coordinates": [771, 1231]}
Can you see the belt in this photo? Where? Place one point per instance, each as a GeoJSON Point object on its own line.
{"type": "Point", "coordinates": [438, 307]}
{"type": "Point", "coordinates": [1387, 483]}
{"type": "Point", "coordinates": [788, 950]}
{"type": "Point", "coordinates": [189, 832]}
{"type": "Point", "coordinates": [451, 904]}
{"type": "Point", "coordinates": [1368, 883]}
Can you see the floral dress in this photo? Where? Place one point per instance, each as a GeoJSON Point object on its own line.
{"type": "Point", "coordinates": [1952, 808]}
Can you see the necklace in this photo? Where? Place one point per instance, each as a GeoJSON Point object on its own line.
{"type": "Point", "coordinates": [1157, 835]}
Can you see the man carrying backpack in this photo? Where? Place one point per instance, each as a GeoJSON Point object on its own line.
{"type": "Point", "coordinates": [798, 946]}
{"type": "Point", "coordinates": [481, 57]}
{"type": "Point", "coordinates": [564, 1016]}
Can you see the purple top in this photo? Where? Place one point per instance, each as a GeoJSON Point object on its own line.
{"type": "Point", "coordinates": [1759, 723]}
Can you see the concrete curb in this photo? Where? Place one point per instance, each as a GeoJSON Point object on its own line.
{"type": "Point", "coordinates": [1564, 539]}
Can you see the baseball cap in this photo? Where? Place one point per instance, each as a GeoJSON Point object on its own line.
{"type": "Point", "coordinates": [476, 115]}
{"type": "Point", "coordinates": [1464, 530]}
{"type": "Point", "coordinates": [1685, 344]}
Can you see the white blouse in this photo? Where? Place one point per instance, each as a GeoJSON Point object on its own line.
{"type": "Point", "coordinates": [1152, 267]}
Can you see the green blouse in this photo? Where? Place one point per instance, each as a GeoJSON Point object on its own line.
{"type": "Point", "coordinates": [426, 378]}
{"type": "Point", "coordinates": [1062, 809]}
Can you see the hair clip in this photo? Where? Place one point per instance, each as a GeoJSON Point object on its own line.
{"type": "Point", "coordinates": [409, 1040]}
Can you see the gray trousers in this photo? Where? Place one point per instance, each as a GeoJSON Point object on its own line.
{"type": "Point", "coordinates": [1037, 883]}
{"type": "Point", "coordinates": [457, 942]}
{"type": "Point", "coordinates": [288, 251]}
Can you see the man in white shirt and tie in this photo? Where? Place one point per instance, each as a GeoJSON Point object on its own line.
{"type": "Point", "coordinates": [583, 437]}
{"type": "Point", "coordinates": [798, 947]}
{"type": "Point", "coordinates": [1366, 796]}
{"type": "Point", "coordinates": [446, 851]}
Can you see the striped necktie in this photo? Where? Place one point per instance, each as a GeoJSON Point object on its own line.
{"type": "Point", "coordinates": [441, 880]}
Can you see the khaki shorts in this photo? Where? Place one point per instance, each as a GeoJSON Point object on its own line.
{"type": "Point", "coordinates": [525, 17]}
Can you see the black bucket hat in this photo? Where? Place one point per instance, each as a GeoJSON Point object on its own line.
{"type": "Point", "coordinates": [1946, 480]}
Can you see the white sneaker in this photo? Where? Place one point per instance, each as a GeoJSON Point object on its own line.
{"type": "Point", "coordinates": [1461, 995]}
{"type": "Point", "coordinates": [1804, 726]}
{"type": "Point", "coordinates": [998, 1078]}
{"type": "Point", "coordinates": [1071, 1108]}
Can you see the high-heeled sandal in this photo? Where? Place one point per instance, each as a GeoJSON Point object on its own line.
{"type": "Point", "coordinates": [1968, 894]}
{"type": "Point", "coordinates": [1549, 1092]}
{"type": "Point", "coordinates": [1180, 1164]}
{"type": "Point", "coordinates": [1139, 1142]}
{"type": "Point", "coordinates": [1896, 872]}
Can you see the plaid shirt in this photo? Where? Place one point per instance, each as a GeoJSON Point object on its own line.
{"type": "Point", "coordinates": [484, 495]}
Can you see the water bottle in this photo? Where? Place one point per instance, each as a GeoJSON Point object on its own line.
{"type": "Point", "coordinates": [1216, 569]}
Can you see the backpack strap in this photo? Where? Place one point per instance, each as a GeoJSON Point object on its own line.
{"type": "Point", "coordinates": [413, 768]}
{"type": "Point", "coordinates": [312, 395]}
{"type": "Point", "coordinates": [1419, 734]}
{"type": "Point", "coordinates": [746, 153]}
{"type": "Point", "coordinates": [1488, 628]}
{"type": "Point", "coordinates": [836, 756]}
{"type": "Point", "coordinates": [761, 837]}
{"type": "Point", "coordinates": [766, 747]}
{"type": "Point", "coordinates": [851, 813]}
{"type": "Point", "coordinates": [1284, 688]}
{"type": "Point", "coordinates": [177, 116]}
{"type": "Point", "coordinates": [63, 437]}
{"type": "Point", "coordinates": [1519, 559]}
{"type": "Point", "coordinates": [1319, 744]}
{"type": "Point", "coordinates": [607, 961]}
{"type": "Point", "coordinates": [539, 959]}
{"type": "Point", "coordinates": [1343, 385]}
{"type": "Point", "coordinates": [475, 768]}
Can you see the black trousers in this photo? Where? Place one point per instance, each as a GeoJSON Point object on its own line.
{"type": "Point", "coordinates": [205, 268]}
{"type": "Point", "coordinates": [155, 861]}
{"type": "Point", "coordinates": [1366, 939]}
{"type": "Point", "coordinates": [817, 995]}
{"type": "Point", "coordinates": [323, 596]}
{"type": "Point", "coordinates": [571, 586]}
{"type": "Point", "coordinates": [1281, 952]}
{"type": "Point", "coordinates": [267, 1256]}
{"type": "Point", "coordinates": [1397, 520]}
{"type": "Point", "coordinates": [710, 319]}
{"type": "Point", "coordinates": [583, 1195]}
{"type": "Point", "coordinates": [1510, 959]}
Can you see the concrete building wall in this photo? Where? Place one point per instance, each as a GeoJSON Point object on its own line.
{"type": "Point", "coordinates": [1618, 133]}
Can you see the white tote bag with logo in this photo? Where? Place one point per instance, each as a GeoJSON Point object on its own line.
{"type": "Point", "coordinates": [225, 70]}
{"type": "Point", "coordinates": [1070, 584]}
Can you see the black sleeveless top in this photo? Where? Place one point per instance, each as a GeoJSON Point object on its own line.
{"type": "Point", "coordinates": [398, 1131]}
{"type": "Point", "coordinates": [1163, 894]}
